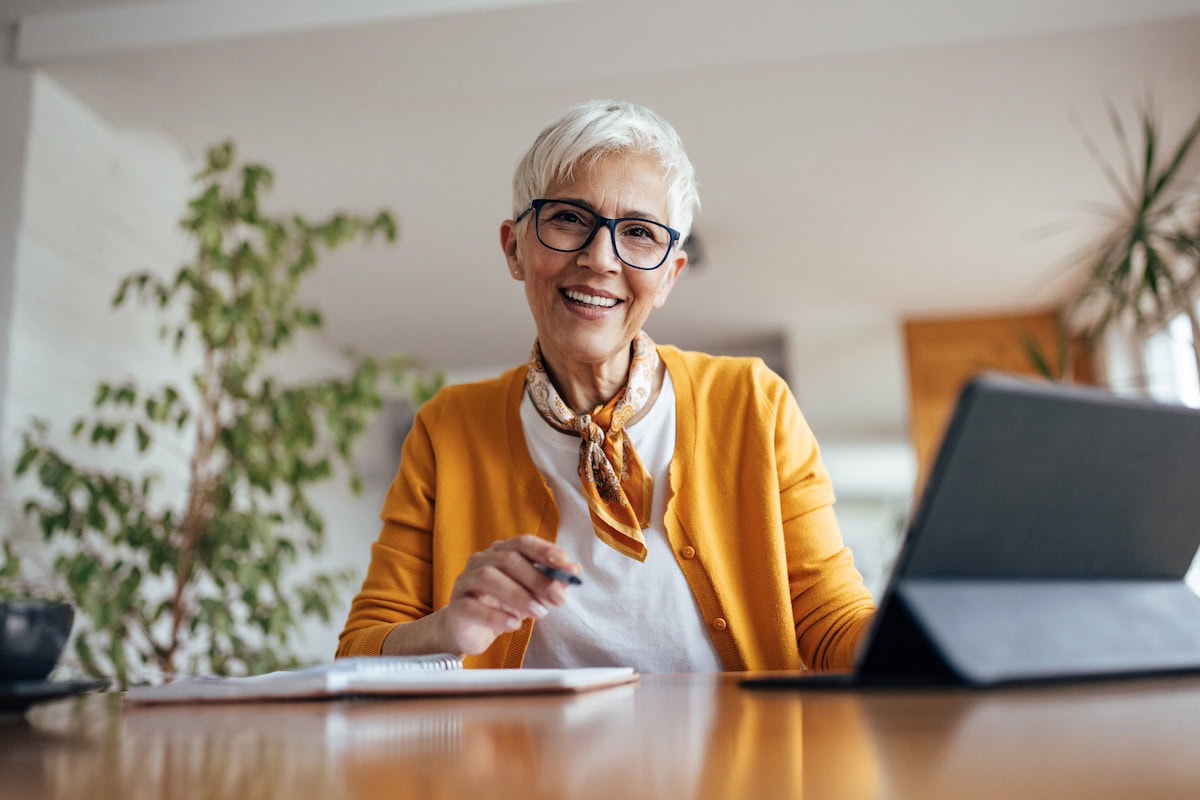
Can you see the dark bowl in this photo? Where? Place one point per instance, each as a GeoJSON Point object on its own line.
{"type": "Point", "coordinates": [32, 636]}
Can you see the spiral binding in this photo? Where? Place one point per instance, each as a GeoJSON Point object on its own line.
{"type": "Point", "coordinates": [389, 665]}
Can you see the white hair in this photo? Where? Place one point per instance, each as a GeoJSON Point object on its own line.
{"type": "Point", "coordinates": [589, 131]}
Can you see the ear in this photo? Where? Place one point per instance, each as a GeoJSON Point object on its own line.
{"type": "Point", "coordinates": [508, 243]}
{"type": "Point", "coordinates": [673, 267]}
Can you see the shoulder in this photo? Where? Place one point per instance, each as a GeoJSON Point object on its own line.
{"type": "Point", "coordinates": [709, 376]}
{"type": "Point", "coordinates": [476, 399]}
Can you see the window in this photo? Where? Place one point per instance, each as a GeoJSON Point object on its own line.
{"type": "Point", "coordinates": [1170, 369]}
{"type": "Point", "coordinates": [1170, 364]}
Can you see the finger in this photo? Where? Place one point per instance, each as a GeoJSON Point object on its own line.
{"type": "Point", "coordinates": [539, 550]}
{"type": "Point", "coordinates": [502, 585]}
{"type": "Point", "coordinates": [516, 558]}
{"type": "Point", "coordinates": [518, 565]}
{"type": "Point", "coordinates": [479, 611]}
{"type": "Point", "coordinates": [471, 627]}
{"type": "Point", "coordinates": [534, 609]}
{"type": "Point", "coordinates": [543, 588]}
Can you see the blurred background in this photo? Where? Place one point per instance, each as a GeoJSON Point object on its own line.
{"type": "Point", "coordinates": [894, 193]}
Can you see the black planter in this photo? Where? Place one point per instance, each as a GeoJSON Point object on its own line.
{"type": "Point", "coordinates": [32, 636]}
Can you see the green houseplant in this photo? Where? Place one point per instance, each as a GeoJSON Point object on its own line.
{"type": "Point", "coordinates": [1146, 266]}
{"type": "Point", "coordinates": [198, 581]}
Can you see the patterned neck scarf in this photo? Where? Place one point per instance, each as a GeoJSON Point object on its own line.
{"type": "Point", "coordinates": [616, 486]}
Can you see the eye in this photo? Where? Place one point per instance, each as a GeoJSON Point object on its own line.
{"type": "Point", "coordinates": [567, 217]}
{"type": "Point", "coordinates": [642, 232]}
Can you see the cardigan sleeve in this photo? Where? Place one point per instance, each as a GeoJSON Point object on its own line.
{"type": "Point", "coordinates": [831, 607]}
{"type": "Point", "coordinates": [399, 584]}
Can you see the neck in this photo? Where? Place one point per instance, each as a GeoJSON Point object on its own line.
{"type": "Point", "coordinates": [583, 387]}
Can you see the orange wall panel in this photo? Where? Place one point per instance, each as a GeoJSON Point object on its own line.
{"type": "Point", "coordinates": [944, 354]}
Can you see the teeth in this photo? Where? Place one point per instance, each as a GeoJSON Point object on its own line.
{"type": "Point", "coordinates": [580, 297]}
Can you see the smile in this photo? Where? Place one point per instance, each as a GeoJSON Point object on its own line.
{"type": "Point", "coordinates": [590, 300]}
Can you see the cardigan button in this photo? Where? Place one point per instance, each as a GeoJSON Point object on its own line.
{"type": "Point", "coordinates": [688, 552]}
{"type": "Point", "coordinates": [720, 624]}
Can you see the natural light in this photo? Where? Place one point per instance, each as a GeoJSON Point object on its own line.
{"type": "Point", "coordinates": [1171, 364]}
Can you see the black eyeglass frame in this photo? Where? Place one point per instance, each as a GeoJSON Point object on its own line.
{"type": "Point", "coordinates": [601, 222]}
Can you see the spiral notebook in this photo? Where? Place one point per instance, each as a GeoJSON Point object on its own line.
{"type": "Point", "coordinates": [440, 674]}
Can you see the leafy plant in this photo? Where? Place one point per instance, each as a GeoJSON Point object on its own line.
{"type": "Point", "coordinates": [14, 583]}
{"type": "Point", "coordinates": [1147, 266]}
{"type": "Point", "coordinates": [1057, 368]}
{"type": "Point", "coordinates": [203, 579]}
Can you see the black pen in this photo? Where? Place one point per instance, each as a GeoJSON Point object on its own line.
{"type": "Point", "coordinates": [560, 575]}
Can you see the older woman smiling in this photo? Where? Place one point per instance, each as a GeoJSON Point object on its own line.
{"type": "Point", "coordinates": [684, 490]}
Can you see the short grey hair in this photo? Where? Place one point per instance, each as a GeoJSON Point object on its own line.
{"type": "Point", "coordinates": [589, 131]}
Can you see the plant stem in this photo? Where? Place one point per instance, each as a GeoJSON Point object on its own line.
{"type": "Point", "coordinates": [197, 516]}
{"type": "Point", "coordinates": [195, 519]}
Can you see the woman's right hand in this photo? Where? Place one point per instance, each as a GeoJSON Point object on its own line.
{"type": "Point", "coordinates": [498, 590]}
{"type": "Point", "coordinates": [494, 594]}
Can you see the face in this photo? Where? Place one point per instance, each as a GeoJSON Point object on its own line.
{"type": "Point", "coordinates": [588, 305]}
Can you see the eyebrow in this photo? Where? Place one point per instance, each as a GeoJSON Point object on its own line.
{"type": "Point", "coordinates": [632, 214]}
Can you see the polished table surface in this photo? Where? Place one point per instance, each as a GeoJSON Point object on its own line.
{"type": "Point", "coordinates": [668, 736]}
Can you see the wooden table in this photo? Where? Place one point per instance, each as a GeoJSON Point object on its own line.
{"type": "Point", "coordinates": [670, 736]}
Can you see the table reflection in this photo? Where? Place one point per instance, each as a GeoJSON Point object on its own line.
{"type": "Point", "coordinates": [666, 737]}
{"type": "Point", "coordinates": [1111, 739]}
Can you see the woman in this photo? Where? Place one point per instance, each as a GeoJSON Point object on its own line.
{"type": "Point", "coordinates": [686, 491]}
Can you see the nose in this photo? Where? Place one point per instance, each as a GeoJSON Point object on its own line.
{"type": "Point", "coordinates": [600, 254]}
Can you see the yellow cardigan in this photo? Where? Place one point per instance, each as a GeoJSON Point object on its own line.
{"type": "Point", "coordinates": [749, 517]}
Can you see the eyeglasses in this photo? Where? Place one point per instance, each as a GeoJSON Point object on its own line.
{"type": "Point", "coordinates": [569, 227]}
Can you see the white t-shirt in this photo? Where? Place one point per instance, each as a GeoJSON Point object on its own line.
{"type": "Point", "coordinates": [626, 613]}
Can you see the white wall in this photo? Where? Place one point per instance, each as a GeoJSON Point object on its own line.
{"type": "Point", "coordinates": [15, 94]}
{"type": "Point", "coordinates": [96, 204]}
{"type": "Point", "coordinates": [93, 205]}
{"type": "Point", "coordinates": [873, 482]}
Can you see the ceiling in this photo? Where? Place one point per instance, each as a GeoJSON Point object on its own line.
{"type": "Point", "coordinates": [860, 163]}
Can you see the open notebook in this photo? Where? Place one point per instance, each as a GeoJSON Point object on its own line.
{"type": "Point", "coordinates": [441, 674]}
